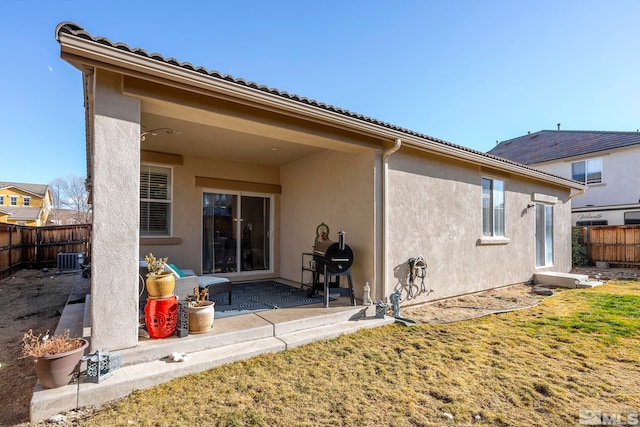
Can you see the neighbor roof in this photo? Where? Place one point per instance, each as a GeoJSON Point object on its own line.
{"type": "Point", "coordinates": [447, 148]}
{"type": "Point", "coordinates": [20, 213]}
{"type": "Point", "coordinates": [548, 145]}
{"type": "Point", "coordinates": [35, 189]}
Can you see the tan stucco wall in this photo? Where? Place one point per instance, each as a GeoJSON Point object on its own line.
{"type": "Point", "coordinates": [115, 176]}
{"type": "Point", "coordinates": [337, 189]}
{"type": "Point", "coordinates": [435, 211]}
{"type": "Point", "coordinates": [187, 208]}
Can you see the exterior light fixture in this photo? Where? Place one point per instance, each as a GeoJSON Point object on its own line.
{"type": "Point", "coordinates": [154, 132]}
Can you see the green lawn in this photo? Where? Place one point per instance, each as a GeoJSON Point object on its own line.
{"type": "Point", "coordinates": [577, 351]}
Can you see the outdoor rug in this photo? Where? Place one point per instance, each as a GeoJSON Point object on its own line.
{"type": "Point", "coordinates": [260, 296]}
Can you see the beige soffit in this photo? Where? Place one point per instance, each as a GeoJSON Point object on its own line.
{"type": "Point", "coordinates": [86, 51]}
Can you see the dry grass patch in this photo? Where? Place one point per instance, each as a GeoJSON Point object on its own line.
{"type": "Point", "coordinates": [579, 350]}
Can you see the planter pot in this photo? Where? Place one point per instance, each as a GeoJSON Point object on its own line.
{"type": "Point", "coordinates": [161, 285]}
{"type": "Point", "coordinates": [57, 370]}
{"type": "Point", "coordinates": [161, 316]}
{"type": "Point", "coordinates": [201, 318]}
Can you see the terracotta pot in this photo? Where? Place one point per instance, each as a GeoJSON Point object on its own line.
{"type": "Point", "coordinates": [201, 318]}
{"type": "Point", "coordinates": [56, 370]}
{"type": "Point", "coordinates": [161, 316]}
{"type": "Point", "coordinates": [161, 285]}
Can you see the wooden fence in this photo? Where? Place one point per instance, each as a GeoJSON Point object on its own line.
{"type": "Point", "coordinates": [617, 244]}
{"type": "Point", "coordinates": [38, 247]}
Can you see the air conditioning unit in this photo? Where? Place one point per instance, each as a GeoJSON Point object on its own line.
{"type": "Point", "coordinates": [70, 261]}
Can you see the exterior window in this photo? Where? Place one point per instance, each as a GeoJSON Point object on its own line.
{"type": "Point", "coordinates": [155, 201]}
{"type": "Point", "coordinates": [1, 200]}
{"type": "Point", "coordinates": [587, 171]}
{"type": "Point", "coordinates": [492, 207]}
{"type": "Point", "coordinates": [26, 201]}
{"type": "Point", "coordinates": [632, 218]}
{"type": "Point", "coordinates": [13, 200]}
{"type": "Point", "coordinates": [544, 235]}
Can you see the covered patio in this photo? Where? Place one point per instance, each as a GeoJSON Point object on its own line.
{"type": "Point", "coordinates": [191, 165]}
{"type": "Point", "coordinates": [231, 339]}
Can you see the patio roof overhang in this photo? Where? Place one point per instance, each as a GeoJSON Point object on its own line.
{"type": "Point", "coordinates": [231, 119]}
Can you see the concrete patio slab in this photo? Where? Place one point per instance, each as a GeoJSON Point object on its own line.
{"type": "Point", "coordinates": [231, 339]}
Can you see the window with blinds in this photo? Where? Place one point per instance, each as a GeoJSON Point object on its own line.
{"type": "Point", "coordinates": [155, 201]}
{"type": "Point", "coordinates": [492, 207]}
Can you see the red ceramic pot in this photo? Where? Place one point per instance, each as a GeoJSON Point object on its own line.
{"type": "Point", "coordinates": [161, 316]}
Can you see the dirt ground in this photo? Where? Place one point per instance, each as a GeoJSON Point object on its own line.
{"type": "Point", "coordinates": [34, 300]}
{"type": "Point", "coordinates": [509, 298]}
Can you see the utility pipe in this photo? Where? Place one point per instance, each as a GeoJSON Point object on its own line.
{"type": "Point", "coordinates": [382, 292]}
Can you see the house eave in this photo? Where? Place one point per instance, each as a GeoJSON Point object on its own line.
{"type": "Point", "coordinates": [80, 51]}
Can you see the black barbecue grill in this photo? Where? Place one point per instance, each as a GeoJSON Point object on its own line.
{"type": "Point", "coordinates": [332, 259]}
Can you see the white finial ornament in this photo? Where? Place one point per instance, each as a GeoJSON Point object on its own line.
{"type": "Point", "coordinates": [366, 299]}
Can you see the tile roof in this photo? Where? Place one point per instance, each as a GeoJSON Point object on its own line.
{"type": "Point", "coordinates": [36, 189]}
{"type": "Point", "coordinates": [19, 213]}
{"type": "Point", "coordinates": [547, 145]}
{"type": "Point", "coordinates": [73, 29]}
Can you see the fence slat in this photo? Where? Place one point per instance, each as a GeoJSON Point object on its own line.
{"type": "Point", "coordinates": [38, 247]}
{"type": "Point", "coordinates": [614, 244]}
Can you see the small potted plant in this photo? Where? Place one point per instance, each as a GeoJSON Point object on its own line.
{"type": "Point", "coordinates": [201, 311]}
{"type": "Point", "coordinates": [160, 283]}
{"type": "Point", "coordinates": [56, 357]}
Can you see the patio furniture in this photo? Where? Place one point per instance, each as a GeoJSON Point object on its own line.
{"type": "Point", "coordinates": [186, 280]}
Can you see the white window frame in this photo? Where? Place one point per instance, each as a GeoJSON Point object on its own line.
{"type": "Point", "coordinates": [169, 200]}
{"type": "Point", "coordinates": [589, 168]}
{"type": "Point", "coordinates": [1, 199]}
{"type": "Point", "coordinates": [546, 212]}
{"type": "Point", "coordinates": [13, 200]}
{"type": "Point", "coordinates": [26, 201]}
{"type": "Point", "coordinates": [496, 234]}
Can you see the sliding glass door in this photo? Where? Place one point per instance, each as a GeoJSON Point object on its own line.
{"type": "Point", "coordinates": [544, 235]}
{"type": "Point", "coordinates": [236, 231]}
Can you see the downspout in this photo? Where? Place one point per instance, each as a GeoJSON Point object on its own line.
{"type": "Point", "coordinates": [382, 292]}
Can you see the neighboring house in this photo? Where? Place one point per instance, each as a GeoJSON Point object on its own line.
{"type": "Point", "coordinates": [185, 162]}
{"type": "Point", "coordinates": [24, 204]}
{"type": "Point", "coordinates": [68, 217]}
{"type": "Point", "coordinates": [607, 162]}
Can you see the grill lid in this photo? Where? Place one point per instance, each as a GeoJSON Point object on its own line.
{"type": "Point", "coordinates": [335, 259]}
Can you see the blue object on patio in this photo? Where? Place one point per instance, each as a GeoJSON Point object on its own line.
{"type": "Point", "coordinates": [260, 296]}
{"type": "Point", "coordinates": [186, 280]}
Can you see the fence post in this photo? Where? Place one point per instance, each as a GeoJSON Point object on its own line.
{"type": "Point", "coordinates": [588, 243]}
{"type": "Point", "coordinates": [10, 248]}
{"type": "Point", "coordinates": [38, 248]}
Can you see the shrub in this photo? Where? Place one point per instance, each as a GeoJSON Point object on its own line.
{"type": "Point", "coordinates": [578, 248]}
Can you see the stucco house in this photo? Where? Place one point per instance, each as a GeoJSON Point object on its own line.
{"type": "Point", "coordinates": [24, 203]}
{"type": "Point", "coordinates": [195, 158]}
{"type": "Point", "coordinates": [606, 162]}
